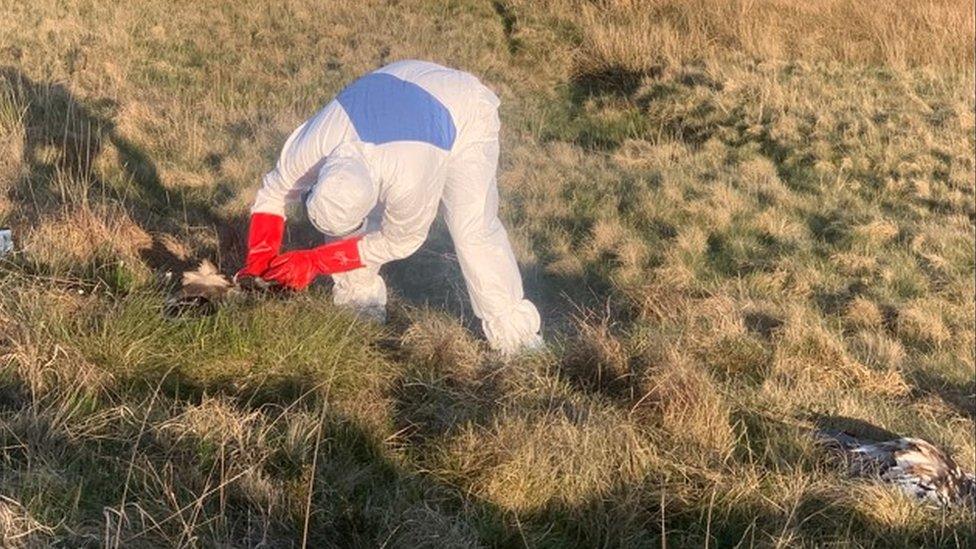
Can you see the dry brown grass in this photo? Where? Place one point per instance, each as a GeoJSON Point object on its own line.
{"type": "Point", "coordinates": [810, 355]}
{"type": "Point", "coordinates": [599, 360]}
{"type": "Point", "coordinates": [525, 465]}
{"type": "Point", "coordinates": [441, 343]}
{"type": "Point", "coordinates": [18, 529]}
{"type": "Point", "coordinates": [740, 219]}
{"type": "Point", "coordinates": [82, 235]}
{"type": "Point", "coordinates": [683, 400]}
{"type": "Point", "coordinates": [641, 35]}
{"type": "Point", "coordinates": [922, 324]}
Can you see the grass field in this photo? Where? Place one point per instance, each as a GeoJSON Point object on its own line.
{"type": "Point", "coordinates": [741, 221]}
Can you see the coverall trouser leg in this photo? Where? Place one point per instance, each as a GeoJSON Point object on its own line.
{"type": "Point", "coordinates": [362, 290]}
{"type": "Point", "coordinates": [470, 208]}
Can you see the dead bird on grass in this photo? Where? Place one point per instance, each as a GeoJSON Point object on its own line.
{"type": "Point", "coordinates": [201, 291]}
{"type": "Point", "coordinates": [916, 466]}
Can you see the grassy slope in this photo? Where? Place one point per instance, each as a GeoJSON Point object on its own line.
{"type": "Point", "coordinates": [740, 223]}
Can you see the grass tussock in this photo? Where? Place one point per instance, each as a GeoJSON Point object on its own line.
{"type": "Point", "coordinates": [527, 465]}
{"type": "Point", "coordinates": [439, 343]}
{"type": "Point", "coordinates": [742, 221]}
{"type": "Point", "coordinates": [683, 400]}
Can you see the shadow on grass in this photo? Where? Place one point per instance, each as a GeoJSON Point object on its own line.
{"type": "Point", "coordinates": [432, 278]}
{"type": "Point", "coordinates": [595, 110]}
{"type": "Point", "coordinates": [857, 428]}
{"type": "Point", "coordinates": [835, 303]}
{"type": "Point", "coordinates": [509, 24]}
{"type": "Point", "coordinates": [614, 81]}
{"type": "Point", "coordinates": [63, 139]}
{"type": "Point", "coordinates": [960, 396]}
{"type": "Point", "coordinates": [66, 136]}
{"type": "Point", "coordinates": [762, 324]}
{"type": "Point", "coordinates": [372, 485]}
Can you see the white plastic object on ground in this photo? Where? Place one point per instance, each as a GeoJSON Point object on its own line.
{"type": "Point", "coordinates": [6, 241]}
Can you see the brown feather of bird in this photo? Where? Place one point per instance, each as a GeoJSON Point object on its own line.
{"type": "Point", "coordinates": [202, 290]}
{"type": "Point", "coordinates": [916, 466]}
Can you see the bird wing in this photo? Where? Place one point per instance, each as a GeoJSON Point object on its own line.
{"type": "Point", "coordinates": [916, 466]}
{"type": "Point", "coordinates": [205, 281]}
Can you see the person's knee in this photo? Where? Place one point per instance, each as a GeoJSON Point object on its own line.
{"type": "Point", "coordinates": [361, 287]}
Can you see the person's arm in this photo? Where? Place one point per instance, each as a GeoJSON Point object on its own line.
{"type": "Point", "coordinates": [295, 171]}
{"type": "Point", "coordinates": [403, 231]}
{"type": "Point", "coordinates": [410, 209]}
{"type": "Point", "coordinates": [404, 228]}
{"type": "Point", "coordinates": [264, 235]}
{"type": "Point", "coordinates": [300, 160]}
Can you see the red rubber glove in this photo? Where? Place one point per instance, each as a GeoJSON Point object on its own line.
{"type": "Point", "coordinates": [296, 270]}
{"type": "Point", "coordinates": [263, 242]}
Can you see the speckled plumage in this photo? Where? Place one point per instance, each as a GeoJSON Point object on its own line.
{"type": "Point", "coordinates": [202, 289]}
{"type": "Point", "coordinates": [916, 466]}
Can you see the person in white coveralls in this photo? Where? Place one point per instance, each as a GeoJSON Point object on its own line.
{"type": "Point", "coordinates": [372, 167]}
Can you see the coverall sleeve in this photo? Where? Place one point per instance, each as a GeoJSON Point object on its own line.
{"type": "Point", "coordinates": [409, 210]}
{"type": "Point", "coordinates": [300, 160]}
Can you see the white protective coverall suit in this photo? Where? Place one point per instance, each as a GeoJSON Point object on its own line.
{"type": "Point", "coordinates": [393, 146]}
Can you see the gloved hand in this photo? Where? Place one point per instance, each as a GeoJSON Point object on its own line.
{"type": "Point", "coordinates": [263, 242]}
{"type": "Point", "coordinates": [296, 270]}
